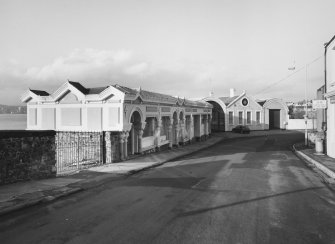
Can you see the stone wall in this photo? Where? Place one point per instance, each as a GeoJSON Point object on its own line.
{"type": "Point", "coordinates": [112, 147]}
{"type": "Point", "coordinates": [26, 155]}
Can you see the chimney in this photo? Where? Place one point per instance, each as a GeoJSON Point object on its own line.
{"type": "Point", "coordinates": [232, 92]}
{"type": "Point", "coordinates": [211, 94]}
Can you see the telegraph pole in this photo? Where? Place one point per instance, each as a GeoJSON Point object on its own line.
{"type": "Point", "coordinates": [306, 136]}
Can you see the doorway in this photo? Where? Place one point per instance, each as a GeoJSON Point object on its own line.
{"type": "Point", "coordinates": [274, 119]}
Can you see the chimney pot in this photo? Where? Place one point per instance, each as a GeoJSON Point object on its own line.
{"type": "Point", "coordinates": [232, 92]}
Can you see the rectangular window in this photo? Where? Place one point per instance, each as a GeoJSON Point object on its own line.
{"type": "Point", "coordinates": [240, 118]}
{"type": "Point", "coordinates": [231, 118]}
{"type": "Point", "coordinates": [248, 117]}
{"type": "Point", "coordinates": [258, 117]}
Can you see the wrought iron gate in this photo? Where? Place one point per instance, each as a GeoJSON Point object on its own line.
{"type": "Point", "coordinates": [78, 150]}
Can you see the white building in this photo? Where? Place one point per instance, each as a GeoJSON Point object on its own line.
{"type": "Point", "coordinates": [242, 109]}
{"type": "Point", "coordinates": [330, 95]}
{"type": "Point", "coordinates": [140, 120]}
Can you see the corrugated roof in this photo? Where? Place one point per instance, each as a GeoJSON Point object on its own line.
{"type": "Point", "coordinates": [148, 95]}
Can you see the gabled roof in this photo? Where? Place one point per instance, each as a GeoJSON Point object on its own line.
{"type": "Point", "coordinates": [148, 95]}
{"type": "Point", "coordinates": [261, 102]}
{"type": "Point", "coordinates": [36, 95]}
{"type": "Point", "coordinates": [228, 100]}
{"type": "Point", "coordinates": [126, 90]}
{"type": "Point", "coordinates": [39, 92]}
{"type": "Point", "coordinates": [79, 87]}
{"type": "Point", "coordinates": [103, 93]}
{"type": "Point", "coordinates": [95, 90]}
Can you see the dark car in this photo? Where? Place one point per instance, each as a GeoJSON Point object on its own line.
{"type": "Point", "coordinates": [241, 129]}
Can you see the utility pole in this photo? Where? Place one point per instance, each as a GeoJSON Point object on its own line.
{"type": "Point", "coordinates": [306, 136]}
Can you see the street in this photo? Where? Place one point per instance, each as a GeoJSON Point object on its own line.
{"type": "Point", "coordinates": [242, 190]}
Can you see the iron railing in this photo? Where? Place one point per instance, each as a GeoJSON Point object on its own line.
{"type": "Point", "coordinates": [78, 150]}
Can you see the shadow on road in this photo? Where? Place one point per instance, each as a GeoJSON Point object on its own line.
{"type": "Point", "coordinates": [204, 210]}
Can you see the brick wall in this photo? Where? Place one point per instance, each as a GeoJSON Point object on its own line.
{"type": "Point", "coordinates": [26, 155]}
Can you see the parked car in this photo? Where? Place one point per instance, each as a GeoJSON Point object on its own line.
{"type": "Point", "coordinates": [241, 129]}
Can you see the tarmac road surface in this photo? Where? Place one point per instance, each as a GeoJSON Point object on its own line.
{"type": "Point", "coordinates": [244, 190]}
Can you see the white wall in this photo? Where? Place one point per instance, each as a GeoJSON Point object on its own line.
{"type": "Point", "coordinates": [331, 94]}
{"type": "Point", "coordinates": [299, 124]}
{"type": "Point", "coordinates": [331, 130]}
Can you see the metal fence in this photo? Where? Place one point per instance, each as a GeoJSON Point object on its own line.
{"type": "Point", "coordinates": [78, 150]}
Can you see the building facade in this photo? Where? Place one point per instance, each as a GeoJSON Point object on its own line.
{"type": "Point", "coordinates": [330, 95]}
{"type": "Point", "coordinates": [140, 120]}
{"type": "Point", "coordinates": [242, 109]}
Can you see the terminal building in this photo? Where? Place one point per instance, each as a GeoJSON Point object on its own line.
{"type": "Point", "coordinates": [242, 109]}
{"type": "Point", "coordinates": [129, 121]}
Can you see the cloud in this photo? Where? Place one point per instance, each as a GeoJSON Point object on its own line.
{"type": "Point", "coordinates": [94, 67]}
{"type": "Point", "coordinates": [81, 63]}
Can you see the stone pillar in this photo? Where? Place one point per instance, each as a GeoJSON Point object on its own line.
{"type": "Point", "coordinates": [153, 126]}
{"type": "Point", "coordinates": [170, 137]}
{"type": "Point", "coordinates": [140, 134]}
{"type": "Point", "coordinates": [177, 131]}
{"type": "Point", "coordinates": [182, 130]}
{"type": "Point", "coordinates": [206, 125]}
{"type": "Point", "coordinates": [108, 148]}
{"type": "Point", "coordinates": [125, 148]}
{"type": "Point", "coordinates": [158, 132]}
{"type": "Point", "coordinates": [191, 128]}
{"type": "Point", "coordinates": [121, 145]}
{"type": "Point", "coordinates": [197, 127]}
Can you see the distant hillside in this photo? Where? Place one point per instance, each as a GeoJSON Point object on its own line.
{"type": "Point", "coordinates": [5, 109]}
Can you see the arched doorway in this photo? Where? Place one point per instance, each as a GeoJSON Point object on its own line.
{"type": "Point", "coordinates": [136, 126]}
{"type": "Point", "coordinates": [218, 117]}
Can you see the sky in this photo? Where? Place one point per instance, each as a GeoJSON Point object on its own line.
{"type": "Point", "coordinates": [185, 48]}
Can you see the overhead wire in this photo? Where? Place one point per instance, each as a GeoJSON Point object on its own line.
{"type": "Point", "coordinates": [288, 76]}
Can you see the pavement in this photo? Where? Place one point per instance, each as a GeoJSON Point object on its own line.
{"type": "Point", "coordinates": [322, 163]}
{"type": "Point", "coordinates": [24, 194]}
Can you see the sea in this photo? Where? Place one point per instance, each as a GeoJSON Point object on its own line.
{"type": "Point", "coordinates": [13, 121]}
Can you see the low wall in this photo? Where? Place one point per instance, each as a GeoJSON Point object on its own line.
{"type": "Point", "coordinates": [299, 124]}
{"type": "Point", "coordinates": [26, 155]}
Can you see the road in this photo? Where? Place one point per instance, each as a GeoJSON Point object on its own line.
{"type": "Point", "coordinates": [247, 190]}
